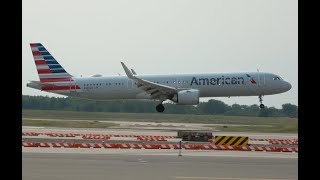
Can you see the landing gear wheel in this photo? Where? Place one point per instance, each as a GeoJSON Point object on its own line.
{"type": "Point", "coordinates": [160, 108]}
{"type": "Point", "coordinates": [260, 100]}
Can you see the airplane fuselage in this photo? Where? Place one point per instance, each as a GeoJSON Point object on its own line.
{"type": "Point", "coordinates": [209, 85]}
{"type": "Point", "coordinates": [183, 89]}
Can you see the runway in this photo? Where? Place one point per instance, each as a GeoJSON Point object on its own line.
{"type": "Point", "coordinates": [146, 131]}
{"type": "Point", "coordinates": [84, 166]}
{"type": "Point", "coordinates": [157, 164]}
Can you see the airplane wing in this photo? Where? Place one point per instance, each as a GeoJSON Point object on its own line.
{"type": "Point", "coordinates": [133, 72]}
{"type": "Point", "coordinates": [154, 89]}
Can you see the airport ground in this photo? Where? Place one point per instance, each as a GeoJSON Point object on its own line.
{"type": "Point", "coordinates": [156, 164]}
{"type": "Point", "coordinates": [144, 164]}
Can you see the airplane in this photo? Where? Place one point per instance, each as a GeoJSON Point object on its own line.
{"type": "Point", "coordinates": [182, 89]}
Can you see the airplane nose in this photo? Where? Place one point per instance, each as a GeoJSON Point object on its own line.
{"type": "Point", "coordinates": [287, 86]}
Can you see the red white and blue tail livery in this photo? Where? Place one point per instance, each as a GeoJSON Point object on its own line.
{"type": "Point", "coordinates": [53, 77]}
{"type": "Point", "coordinates": [183, 89]}
{"type": "Point", "coordinates": [48, 68]}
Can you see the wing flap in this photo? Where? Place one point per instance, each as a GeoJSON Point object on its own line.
{"type": "Point", "coordinates": [151, 88]}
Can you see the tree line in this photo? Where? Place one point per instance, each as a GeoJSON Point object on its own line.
{"type": "Point", "coordinates": [214, 107]}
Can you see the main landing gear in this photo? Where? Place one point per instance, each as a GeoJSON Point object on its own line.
{"type": "Point", "coordinates": [160, 107]}
{"type": "Point", "coordinates": [260, 100]}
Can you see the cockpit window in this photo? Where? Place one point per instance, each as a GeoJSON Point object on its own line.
{"type": "Point", "coordinates": [276, 78]}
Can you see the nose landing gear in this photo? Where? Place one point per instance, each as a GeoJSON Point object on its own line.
{"type": "Point", "coordinates": [260, 100]}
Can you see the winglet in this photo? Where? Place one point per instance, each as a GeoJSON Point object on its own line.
{"type": "Point", "coordinates": [128, 72]}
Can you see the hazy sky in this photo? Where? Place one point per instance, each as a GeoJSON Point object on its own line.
{"type": "Point", "coordinates": [166, 36]}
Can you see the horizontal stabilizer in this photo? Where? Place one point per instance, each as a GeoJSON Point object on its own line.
{"type": "Point", "coordinates": [41, 83]}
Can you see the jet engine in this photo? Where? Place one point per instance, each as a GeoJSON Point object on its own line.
{"type": "Point", "coordinates": [187, 97]}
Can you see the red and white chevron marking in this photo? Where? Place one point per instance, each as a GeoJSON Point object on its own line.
{"type": "Point", "coordinates": [189, 146]}
{"type": "Point", "coordinates": [257, 148]}
{"type": "Point", "coordinates": [205, 146]}
{"type": "Point", "coordinates": [260, 139]}
{"type": "Point", "coordinates": [215, 147]}
{"type": "Point", "coordinates": [150, 146]}
{"type": "Point", "coordinates": [262, 148]}
{"type": "Point", "coordinates": [159, 146]}
{"type": "Point", "coordinates": [118, 135]}
{"type": "Point", "coordinates": [142, 136]}
{"type": "Point", "coordinates": [95, 136]}
{"type": "Point", "coordinates": [83, 134]}
{"type": "Point", "coordinates": [160, 137]}
{"type": "Point", "coordinates": [223, 147]}
{"type": "Point", "coordinates": [124, 146]}
{"type": "Point", "coordinates": [30, 134]}
{"type": "Point", "coordinates": [57, 145]}
{"type": "Point", "coordinates": [30, 144]}
{"type": "Point", "coordinates": [90, 145]}
{"type": "Point", "coordinates": [168, 146]}
{"type": "Point", "coordinates": [136, 146]}
{"type": "Point", "coordinates": [150, 139]}
{"type": "Point", "coordinates": [60, 135]}
{"type": "Point", "coordinates": [284, 142]}
{"type": "Point", "coordinates": [288, 149]}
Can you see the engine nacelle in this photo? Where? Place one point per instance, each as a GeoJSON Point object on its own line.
{"type": "Point", "coordinates": [187, 97]}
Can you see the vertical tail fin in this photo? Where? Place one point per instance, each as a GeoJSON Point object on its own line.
{"type": "Point", "coordinates": [49, 70]}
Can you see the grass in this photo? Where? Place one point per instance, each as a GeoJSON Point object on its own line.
{"type": "Point", "coordinates": [151, 117]}
{"type": "Point", "coordinates": [275, 124]}
{"type": "Point", "coordinates": [66, 123]}
{"type": "Point", "coordinates": [286, 126]}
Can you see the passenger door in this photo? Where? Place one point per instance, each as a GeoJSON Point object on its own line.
{"type": "Point", "coordinates": [178, 83]}
{"type": "Point", "coordinates": [73, 87]}
{"type": "Point", "coordinates": [261, 79]}
{"type": "Point", "coordinates": [129, 84]}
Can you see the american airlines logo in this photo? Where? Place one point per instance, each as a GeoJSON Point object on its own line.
{"type": "Point", "coordinates": [251, 79]}
{"type": "Point", "coordinates": [217, 81]}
